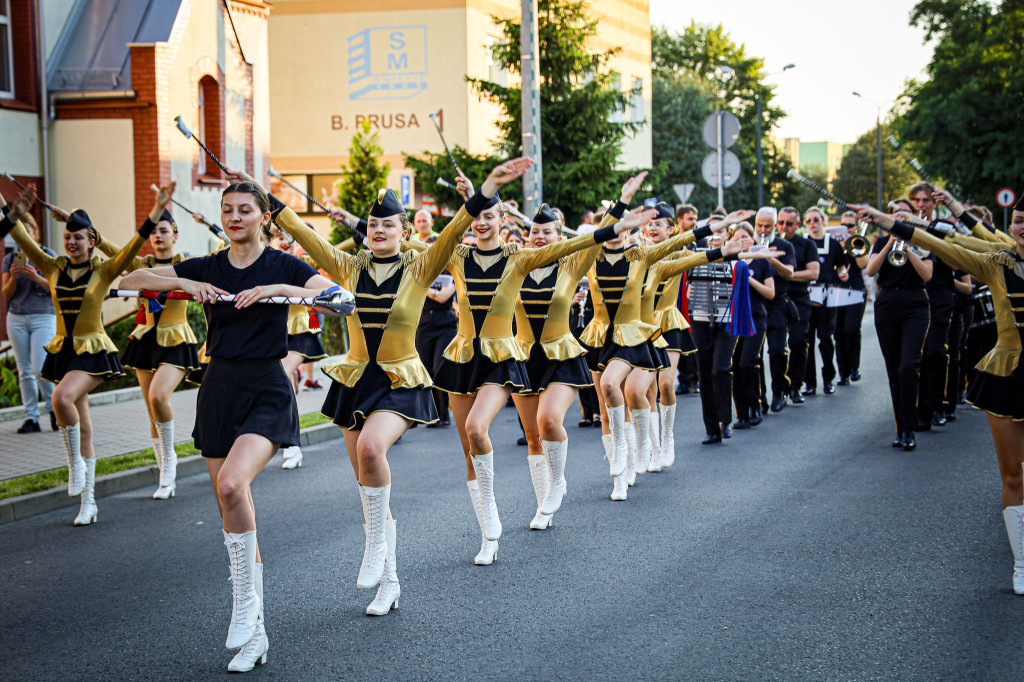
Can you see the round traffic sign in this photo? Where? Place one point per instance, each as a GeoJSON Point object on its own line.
{"type": "Point", "coordinates": [1006, 197]}
{"type": "Point", "coordinates": [730, 129]}
{"type": "Point", "coordinates": [709, 169]}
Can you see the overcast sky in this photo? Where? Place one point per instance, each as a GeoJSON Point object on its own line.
{"type": "Point", "coordinates": [837, 46]}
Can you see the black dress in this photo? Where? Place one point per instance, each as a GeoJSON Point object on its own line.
{"type": "Point", "coordinates": [245, 389]}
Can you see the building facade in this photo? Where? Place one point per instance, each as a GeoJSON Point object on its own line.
{"type": "Point", "coordinates": [336, 63]}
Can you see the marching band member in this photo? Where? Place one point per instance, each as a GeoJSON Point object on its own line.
{"type": "Point", "coordinates": [81, 356]}
{"type": "Point", "coordinates": [999, 388]}
{"type": "Point", "coordinates": [625, 340]}
{"type": "Point", "coordinates": [806, 269]}
{"type": "Point", "coordinates": [850, 316]}
{"type": "Point", "coordinates": [555, 366]}
{"type": "Point", "coordinates": [747, 378]}
{"type": "Point", "coordinates": [901, 322]}
{"type": "Point", "coordinates": [822, 322]}
{"type": "Point", "coordinates": [162, 349]}
{"type": "Point", "coordinates": [776, 326]}
{"type": "Point", "coordinates": [246, 408]}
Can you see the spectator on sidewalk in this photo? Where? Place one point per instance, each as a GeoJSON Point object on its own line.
{"type": "Point", "coordinates": [31, 324]}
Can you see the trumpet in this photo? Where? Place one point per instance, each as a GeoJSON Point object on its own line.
{"type": "Point", "coordinates": [858, 245]}
{"type": "Point", "coordinates": [898, 254]}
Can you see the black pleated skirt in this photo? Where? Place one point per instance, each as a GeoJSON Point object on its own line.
{"type": "Point", "coordinates": [348, 407]}
{"type": "Point", "coordinates": [106, 366]}
{"type": "Point", "coordinates": [542, 371]}
{"type": "Point", "coordinates": [244, 396]}
{"type": "Point", "coordinates": [146, 354]}
{"type": "Point", "coordinates": [1000, 396]}
{"type": "Point", "coordinates": [467, 378]}
{"type": "Point", "coordinates": [641, 356]}
{"type": "Point", "coordinates": [306, 344]}
{"type": "Point", "coordinates": [680, 340]}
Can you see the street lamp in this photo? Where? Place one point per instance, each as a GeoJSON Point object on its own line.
{"type": "Point", "coordinates": [758, 88]}
{"type": "Point", "coordinates": [878, 131]}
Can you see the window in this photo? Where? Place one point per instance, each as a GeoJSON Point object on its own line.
{"type": "Point", "coordinates": [201, 130]}
{"type": "Point", "coordinates": [495, 73]}
{"type": "Point", "coordinates": [616, 116]}
{"type": "Point", "coordinates": [322, 187]}
{"type": "Point", "coordinates": [209, 126]}
{"type": "Point", "coordinates": [636, 103]}
{"type": "Point", "coordinates": [6, 52]}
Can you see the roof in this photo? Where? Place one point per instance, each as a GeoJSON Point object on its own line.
{"type": "Point", "coordinates": [92, 53]}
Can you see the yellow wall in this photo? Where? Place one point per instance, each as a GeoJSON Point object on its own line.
{"type": "Point", "coordinates": [19, 138]}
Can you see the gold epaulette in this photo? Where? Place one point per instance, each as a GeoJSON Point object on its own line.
{"type": "Point", "coordinates": [409, 256]}
{"type": "Point", "coordinates": [634, 254]}
{"type": "Point", "coordinates": [1005, 258]}
{"type": "Point", "coordinates": [463, 250]}
{"type": "Point", "coordinates": [362, 259]}
{"type": "Point", "coordinates": [511, 249]}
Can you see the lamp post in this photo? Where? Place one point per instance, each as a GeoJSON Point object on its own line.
{"type": "Point", "coordinates": [758, 89]}
{"type": "Point", "coordinates": [878, 131]}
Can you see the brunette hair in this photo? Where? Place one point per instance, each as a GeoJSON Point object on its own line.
{"type": "Point", "coordinates": [259, 194]}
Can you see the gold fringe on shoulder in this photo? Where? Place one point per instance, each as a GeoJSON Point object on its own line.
{"type": "Point", "coordinates": [634, 254]}
{"type": "Point", "coordinates": [1004, 258]}
{"type": "Point", "coordinates": [463, 250]}
{"type": "Point", "coordinates": [409, 256]}
{"type": "Point", "coordinates": [363, 259]}
{"type": "Point", "coordinates": [510, 249]}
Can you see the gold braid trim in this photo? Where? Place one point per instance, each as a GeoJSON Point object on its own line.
{"type": "Point", "coordinates": [510, 249]}
{"type": "Point", "coordinates": [363, 259]}
{"type": "Point", "coordinates": [408, 256]}
{"type": "Point", "coordinates": [463, 250]}
{"type": "Point", "coordinates": [634, 254]}
{"type": "Point", "coordinates": [1004, 258]}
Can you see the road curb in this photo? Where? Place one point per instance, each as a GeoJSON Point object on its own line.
{"type": "Point", "coordinates": [24, 506]}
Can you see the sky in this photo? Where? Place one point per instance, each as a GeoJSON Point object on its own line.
{"type": "Point", "coordinates": [838, 47]}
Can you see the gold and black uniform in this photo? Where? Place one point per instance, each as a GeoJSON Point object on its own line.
{"type": "Point", "coordinates": [616, 287]}
{"type": "Point", "coordinates": [78, 291]}
{"type": "Point", "coordinates": [999, 385]}
{"type": "Point", "coordinates": [382, 371]}
{"type": "Point", "coordinates": [487, 285]}
{"type": "Point", "coordinates": [661, 291]}
{"type": "Point", "coordinates": [302, 338]}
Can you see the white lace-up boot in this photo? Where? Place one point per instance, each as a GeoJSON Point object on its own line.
{"type": "Point", "coordinates": [483, 465]}
{"type": "Point", "coordinates": [389, 590]}
{"type": "Point", "coordinates": [159, 456]}
{"type": "Point", "coordinates": [620, 488]}
{"type": "Point", "coordinates": [608, 441]}
{"type": "Point", "coordinates": [246, 605]}
{"type": "Point", "coordinates": [630, 472]}
{"type": "Point", "coordinates": [87, 513]}
{"type": "Point", "coordinates": [556, 453]}
{"type": "Point", "coordinates": [617, 461]}
{"type": "Point", "coordinates": [541, 480]}
{"type": "Point", "coordinates": [72, 436]}
{"type": "Point", "coordinates": [1014, 519]}
{"type": "Point", "coordinates": [488, 548]}
{"type": "Point", "coordinates": [168, 460]}
{"type": "Point", "coordinates": [375, 511]}
{"type": "Point", "coordinates": [668, 438]}
{"type": "Point", "coordinates": [655, 436]}
{"type": "Point", "coordinates": [642, 428]}
{"type": "Point", "coordinates": [292, 457]}
{"type": "Point", "coordinates": [255, 651]}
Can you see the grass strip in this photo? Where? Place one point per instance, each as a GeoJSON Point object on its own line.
{"type": "Point", "coordinates": [45, 480]}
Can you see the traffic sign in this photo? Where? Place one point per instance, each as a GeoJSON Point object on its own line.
{"type": "Point", "coordinates": [684, 190]}
{"type": "Point", "coordinates": [730, 129]}
{"type": "Point", "coordinates": [709, 169]}
{"type": "Point", "coordinates": [1006, 197]}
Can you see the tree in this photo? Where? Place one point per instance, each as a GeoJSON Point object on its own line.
{"type": "Point", "coordinates": [967, 116]}
{"type": "Point", "coordinates": [580, 143]}
{"type": "Point", "coordinates": [857, 177]}
{"type": "Point", "coordinates": [363, 178]}
{"type": "Point", "coordinates": [429, 168]}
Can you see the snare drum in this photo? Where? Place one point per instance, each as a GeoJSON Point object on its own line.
{"type": "Point", "coordinates": [984, 311]}
{"type": "Point", "coordinates": [818, 292]}
{"type": "Point", "coordinates": [838, 298]}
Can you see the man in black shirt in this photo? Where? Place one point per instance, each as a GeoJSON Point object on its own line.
{"type": "Point", "coordinates": [850, 315]}
{"type": "Point", "coordinates": [822, 323]}
{"type": "Point", "coordinates": [806, 270]}
{"type": "Point", "coordinates": [778, 308]}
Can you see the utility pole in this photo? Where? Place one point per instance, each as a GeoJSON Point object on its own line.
{"type": "Point", "coordinates": [533, 179]}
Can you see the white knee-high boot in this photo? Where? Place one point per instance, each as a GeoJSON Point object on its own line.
{"type": "Point", "coordinates": [620, 454]}
{"type": "Point", "coordinates": [159, 456]}
{"type": "Point", "coordinates": [655, 431]}
{"type": "Point", "coordinates": [1013, 517]}
{"type": "Point", "coordinates": [255, 651]}
{"type": "Point", "coordinates": [246, 604]}
{"type": "Point", "coordinates": [556, 453]}
{"type": "Point", "coordinates": [389, 590]}
{"type": "Point", "coordinates": [375, 511]}
{"type": "Point", "coordinates": [87, 513]}
{"type": "Point", "coordinates": [168, 461]}
{"type": "Point", "coordinates": [642, 427]}
{"type": "Point", "coordinates": [72, 436]}
{"type": "Point", "coordinates": [488, 548]}
{"type": "Point", "coordinates": [630, 453]}
{"type": "Point", "coordinates": [668, 438]}
{"type": "Point", "coordinates": [541, 478]}
{"type": "Point", "coordinates": [483, 465]}
{"type": "Point", "coordinates": [619, 484]}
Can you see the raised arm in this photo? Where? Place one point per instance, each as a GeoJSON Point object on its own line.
{"type": "Point", "coordinates": [336, 263]}
{"type": "Point", "coordinates": [538, 258]}
{"type": "Point", "coordinates": [11, 224]}
{"type": "Point", "coordinates": [112, 268]}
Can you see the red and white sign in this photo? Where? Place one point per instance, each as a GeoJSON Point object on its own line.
{"type": "Point", "coordinates": [1006, 197]}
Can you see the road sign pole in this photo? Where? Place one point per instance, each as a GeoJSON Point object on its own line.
{"type": "Point", "coordinates": [721, 161]}
{"type": "Point", "coordinates": [1006, 219]}
{"type": "Point", "coordinates": [533, 179]}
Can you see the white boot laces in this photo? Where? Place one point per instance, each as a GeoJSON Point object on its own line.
{"type": "Point", "coordinates": [239, 581]}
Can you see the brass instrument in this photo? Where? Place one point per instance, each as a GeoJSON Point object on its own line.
{"type": "Point", "coordinates": [858, 245]}
{"type": "Point", "coordinates": [897, 254]}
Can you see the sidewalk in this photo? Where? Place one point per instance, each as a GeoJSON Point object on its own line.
{"type": "Point", "coordinates": [118, 428]}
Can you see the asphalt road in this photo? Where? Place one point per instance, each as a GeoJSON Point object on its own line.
{"type": "Point", "coordinates": [806, 549]}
